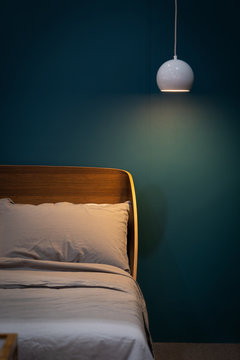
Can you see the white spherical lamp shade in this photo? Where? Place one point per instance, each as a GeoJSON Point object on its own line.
{"type": "Point", "coordinates": [175, 76]}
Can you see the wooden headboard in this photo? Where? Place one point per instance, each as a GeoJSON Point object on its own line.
{"type": "Point", "coordinates": [39, 184]}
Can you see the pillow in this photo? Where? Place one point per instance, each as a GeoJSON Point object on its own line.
{"type": "Point", "coordinates": [87, 233]}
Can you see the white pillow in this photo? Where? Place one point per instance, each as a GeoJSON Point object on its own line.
{"type": "Point", "coordinates": [88, 233]}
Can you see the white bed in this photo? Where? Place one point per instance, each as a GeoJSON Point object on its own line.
{"type": "Point", "coordinates": [77, 309]}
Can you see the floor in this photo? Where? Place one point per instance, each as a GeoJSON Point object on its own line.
{"type": "Point", "coordinates": [190, 351]}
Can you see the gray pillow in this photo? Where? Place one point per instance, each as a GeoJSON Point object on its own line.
{"type": "Point", "coordinates": [88, 233]}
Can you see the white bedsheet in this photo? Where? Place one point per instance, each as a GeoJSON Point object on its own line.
{"type": "Point", "coordinates": [73, 311]}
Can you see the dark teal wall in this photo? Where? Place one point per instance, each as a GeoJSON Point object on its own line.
{"type": "Point", "coordinates": [78, 88]}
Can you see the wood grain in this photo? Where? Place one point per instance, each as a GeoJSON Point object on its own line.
{"type": "Point", "coordinates": [9, 349]}
{"type": "Point", "coordinates": [39, 184]}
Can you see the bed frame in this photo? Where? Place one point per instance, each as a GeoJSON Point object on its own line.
{"type": "Point", "coordinates": [39, 184]}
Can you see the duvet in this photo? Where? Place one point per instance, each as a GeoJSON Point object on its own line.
{"type": "Point", "coordinates": [73, 311]}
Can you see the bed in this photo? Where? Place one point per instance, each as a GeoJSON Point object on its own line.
{"type": "Point", "coordinates": [68, 264]}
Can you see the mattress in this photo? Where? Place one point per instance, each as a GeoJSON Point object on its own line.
{"type": "Point", "coordinates": [73, 311]}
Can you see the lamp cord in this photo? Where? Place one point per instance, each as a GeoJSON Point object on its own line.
{"type": "Point", "coordinates": [175, 32]}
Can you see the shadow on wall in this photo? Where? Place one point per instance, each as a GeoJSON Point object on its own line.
{"type": "Point", "coordinates": [152, 213]}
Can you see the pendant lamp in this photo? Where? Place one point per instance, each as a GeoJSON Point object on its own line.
{"type": "Point", "coordinates": [175, 75]}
